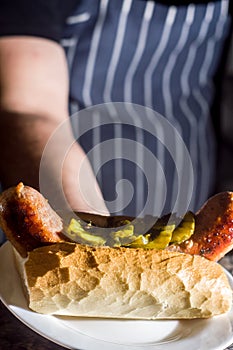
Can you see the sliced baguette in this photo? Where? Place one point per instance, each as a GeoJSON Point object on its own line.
{"type": "Point", "coordinates": [76, 280]}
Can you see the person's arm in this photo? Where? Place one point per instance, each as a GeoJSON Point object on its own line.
{"type": "Point", "coordinates": [33, 103]}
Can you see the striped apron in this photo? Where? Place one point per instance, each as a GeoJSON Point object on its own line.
{"type": "Point", "coordinates": [156, 62]}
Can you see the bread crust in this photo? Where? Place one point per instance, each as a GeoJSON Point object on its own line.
{"type": "Point", "coordinates": [78, 280]}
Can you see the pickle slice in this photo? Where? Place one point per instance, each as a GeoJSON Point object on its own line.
{"type": "Point", "coordinates": [121, 236]}
{"type": "Point", "coordinates": [139, 241]}
{"type": "Point", "coordinates": [76, 230]}
{"type": "Point", "coordinates": [124, 233]}
{"type": "Point", "coordinates": [164, 232]}
{"type": "Point", "coordinates": [163, 239]}
{"type": "Point", "coordinates": [185, 229]}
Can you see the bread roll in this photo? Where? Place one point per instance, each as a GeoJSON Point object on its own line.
{"type": "Point", "coordinates": [77, 280]}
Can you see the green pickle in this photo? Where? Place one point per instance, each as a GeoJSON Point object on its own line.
{"type": "Point", "coordinates": [161, 240]}
{"type": "Point", "coordinates": [124, 233]}
{"type": "Point", "coordinates": [120, 236]}
{"type": "Point", "coordinates": [163, 233]}
{"type": "Point", "coordinates": [139, 241]}
{"type": "Point", "coordinates": [77, 231]}
{"type": "Point", "coordinates": [185, 229]}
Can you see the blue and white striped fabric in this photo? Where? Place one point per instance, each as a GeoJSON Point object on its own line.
{"type": "Point", "coordinates": [154, 55]}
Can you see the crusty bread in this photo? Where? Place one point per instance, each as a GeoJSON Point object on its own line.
{"type": "Point", "coordinates": [76, 280]}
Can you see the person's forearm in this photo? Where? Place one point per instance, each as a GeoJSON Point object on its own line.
{"type": "Point", "coordinates": [65, 173]}
{"type": "Point", "coordinates": [33, 104]}
{"type": "Point", "coordinates": [21, 141]}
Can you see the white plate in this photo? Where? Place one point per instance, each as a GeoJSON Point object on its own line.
{"type": "Point", "coordinates": [104, 334]}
